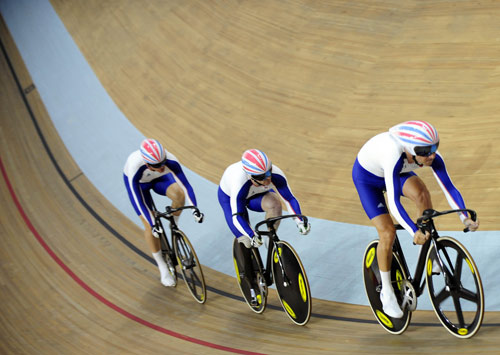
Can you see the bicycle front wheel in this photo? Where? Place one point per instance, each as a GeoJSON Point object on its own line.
{"type": "Point", "coordinates": [291, 283]}
{"type": "Point", "coordinates": [457, 294]}
{"type": "Point", "coordinates": [190, 267]}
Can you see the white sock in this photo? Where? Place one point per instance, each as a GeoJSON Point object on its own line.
{"type": "Point", "coordinates": [176, 219]}
{"type": "Point", "coordinates": [162, 265]}
{"type": "Point", "coordinates": [386, 281]}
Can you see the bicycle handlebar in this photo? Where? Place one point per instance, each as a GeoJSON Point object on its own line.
{"type": "Point", "coordinates": [270, 221]}
{"type": "Point", "coordinates": [429, 214]}
{"type": "Point", "coordinates": [169, 210]}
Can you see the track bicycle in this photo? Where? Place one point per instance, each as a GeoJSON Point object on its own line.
{"type": "Point", "coordinates": [283, 268]}
{"type": "Point", "coordinates": [181, 253]}
{"type": "Point", "coordinates": [452, 279]}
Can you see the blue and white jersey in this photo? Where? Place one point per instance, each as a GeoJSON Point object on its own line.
{"type": "Point", "coordinates": [238, 189]}
{"type": "Point", "coordinates": [137, 173]}
{"type": "Point", "coordinates": [384, 157]}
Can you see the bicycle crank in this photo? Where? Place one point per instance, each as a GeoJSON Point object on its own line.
{"type": "Point", "coordinates": [409, 296]}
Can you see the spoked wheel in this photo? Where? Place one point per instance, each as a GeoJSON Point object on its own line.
{"type": "Point", "coordinates": [190, 267]}
{"type": "Point", "coordinates": [250, 276]}
{"type": "Point", "coordinates": [373, 286]}
{"type": "Point", "coordinates": [457, 294]}
{"type": "Point", "coordinates": [169, 257]}
{"type": "Point", "coordinates": [291, 283]}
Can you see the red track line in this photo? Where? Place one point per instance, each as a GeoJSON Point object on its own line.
{"type": "Point", "coordinates": [97, 295]}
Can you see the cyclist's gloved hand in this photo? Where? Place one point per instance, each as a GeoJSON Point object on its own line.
{"type": "Point", "coordinates": [303, 228]}
{"type": "Point", "coordinates": [471, 225]}
{"type": "Point", "coordinates": [157, 231]}
{"type": "Point", "coordinates": [420, 238]}
{"type": "Point", "coordinates": [198, 216]}
{"type": "Point", "coordinates": [256, 241]}
{"type": "Point", "coordinates": [248, 242]}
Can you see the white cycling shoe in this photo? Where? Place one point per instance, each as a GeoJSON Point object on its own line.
{"type": "Point", "coordinates": [166, 279]}
{"type": "Point", "coordinates": [390, 305]}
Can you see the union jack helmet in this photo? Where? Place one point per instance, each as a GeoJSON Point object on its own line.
{"type": "Point", "coordinates": [256, 164]}
{"type": "Point", "coordinates": [152, 152]}
{"type": "Point", "coordinates": [417, 137]}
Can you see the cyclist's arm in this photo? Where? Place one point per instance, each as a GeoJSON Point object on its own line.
{"type": "Point", "coordinates": [451, 193]}
{"type": "Point", "coordinates": [392, 170]}
{"type": "Point", "coordinates": [175, 167]}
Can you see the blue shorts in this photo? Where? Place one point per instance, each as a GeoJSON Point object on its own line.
{"type": "Point", "coordinates": [254, 203]}
{"type": "Point", "coordinates": [145, 206]}
{"type": "Point", "coordinates": [371, 189]}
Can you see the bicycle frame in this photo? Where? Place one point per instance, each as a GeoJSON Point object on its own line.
{"type": "Point", "coordinates": [425, 223]}
{"type": "Point", "coordinates": [169, 216]}
{"type": "Point", "coordinates": [271, 233]}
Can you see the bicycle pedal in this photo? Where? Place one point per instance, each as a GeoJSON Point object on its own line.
{"type": "Point", "coordinates": [253, 298]}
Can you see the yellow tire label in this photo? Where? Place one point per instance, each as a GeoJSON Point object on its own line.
{"type": "Point", "coordinates": [259, 299]}
{"type": "Point", "coordinates": [302, 288]}
{"type": "Point", "coordinates": [470, 265]}
{"type": "Point", "coordinates": [237, 271]}
{"type": "Point", "coordinates": [370, 256]}
{"type": "Point", "coordinates": [289, 309]}
{"type": "Point", "coordinates": [383, 318]}
{"type": "Point", "coordinates": [429, 267]}
{"type": "Point", "coordinates": [399, 279]}
{"type": "Point", "coordinates": [276, 255]}
{"type": "Point", "coordinates": [463, 331]}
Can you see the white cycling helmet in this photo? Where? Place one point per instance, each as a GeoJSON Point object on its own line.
{"type": "Point", "coordinates": [256, 164]}
{"type": "Point", "coordinates": [417, 137]}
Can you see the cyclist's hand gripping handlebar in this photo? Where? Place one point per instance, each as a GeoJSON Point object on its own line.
{"type": "Point", "coordinates": [425, 223]}
{"type": "Point", "coordinates": [169, 211]}
{"type": "Point", "coordinates": [270, 222]}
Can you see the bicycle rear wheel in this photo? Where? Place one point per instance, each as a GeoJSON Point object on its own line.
{"type": "Point", "coordinates": [291, 283]}
{"type": "Point", "coordinates": [190, 267]}
{"type": "Point", "coordinates": [373, 286]}
{"type": "Point", "coordinates": [250, 276]}
{"type": "Point", "coordinates": [458, 300]}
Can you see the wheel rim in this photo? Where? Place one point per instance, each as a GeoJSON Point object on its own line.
{"type": "Point", "coordinates": [190, 268]}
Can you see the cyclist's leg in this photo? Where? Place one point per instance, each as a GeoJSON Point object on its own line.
{"type": "Point", "coordinates": [271, 204]}
{"type": "Point", "coordinates": [145, 214]}
{"type": "Point", "coordinates": [371, 194]}
{"type": "Point", "coordinates": [268, 202]}
{"type": "Point", "coordinates": [387, 233]}
{"type": "Point", "coordinates": [167, 186]}
{"type": "Point", "coordinates": [415, 189]}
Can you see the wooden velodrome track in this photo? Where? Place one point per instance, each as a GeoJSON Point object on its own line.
{"type": "Point", "coordinates": [307, 81]}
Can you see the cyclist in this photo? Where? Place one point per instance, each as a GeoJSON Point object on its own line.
{"type": "Point", "coordinates": [255, 183]}
{"type": "Point", "coordinates": [153, 168]}
{"type": "Point", "coordinates": [386, 163]}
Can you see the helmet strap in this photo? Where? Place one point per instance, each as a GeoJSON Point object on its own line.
{"type": "Point", "coordinates": [416, 162]}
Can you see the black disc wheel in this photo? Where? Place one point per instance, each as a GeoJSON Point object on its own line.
{"type": "Point", "coordinates": [373, 286]}
{"type": "Point", "coordinates": [250, 276]}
